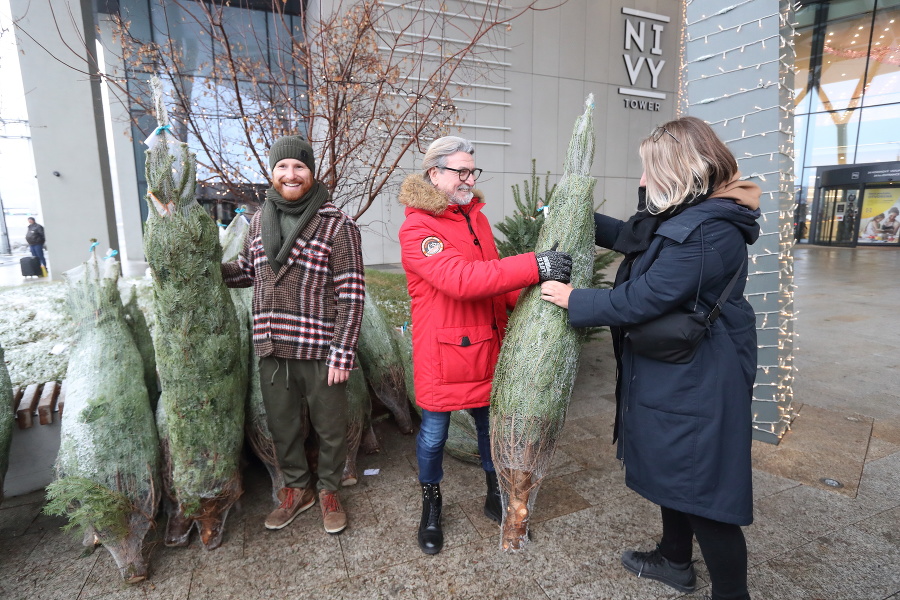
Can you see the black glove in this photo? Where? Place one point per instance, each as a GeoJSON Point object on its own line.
{"type": "Point", "coordinates": [554, 266]}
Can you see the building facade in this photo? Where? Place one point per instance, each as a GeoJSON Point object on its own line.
{"type": "Point", "coordinates": [847, 122]}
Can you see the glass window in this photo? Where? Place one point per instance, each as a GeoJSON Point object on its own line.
{"type": "Point", "coordinates": [879, 135]}
{"type": "Point", "coordinates": [805, 16]}
{"type": "Point", "coordinates": [832, 138]}
{"type": "Point", "coordinates": [838, 9]}
{"type": "Point", "coordinates": [285, 34]}
{"type": "Point", "coordinates": [800, 128]}
{"type": "Point", "coordinates": [247, 35]}
{"type": "Point", "coordinates": [803, 46]}
{"type": "Point", "coordinates": [183, 30]}
{"type": "Point", "coordinates": [844, 54]}
{"type": "Point", "coordinates": [883, 76]}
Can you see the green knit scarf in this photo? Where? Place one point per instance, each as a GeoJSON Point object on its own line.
{"type": "Point", "coordinates": [276, 248]}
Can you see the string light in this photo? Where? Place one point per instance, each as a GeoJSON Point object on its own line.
{"type": "Point", "coordinates": [774, 308]}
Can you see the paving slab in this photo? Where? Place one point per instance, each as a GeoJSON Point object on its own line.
{"type": "Point", "coordinates": [822, 446]}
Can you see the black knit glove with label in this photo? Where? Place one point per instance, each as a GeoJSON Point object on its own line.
{"type": "Point", "coordinates": [554, 266]}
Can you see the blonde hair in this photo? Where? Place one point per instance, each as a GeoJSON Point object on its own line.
{"type": "Point", "coordinates": [684, 159]}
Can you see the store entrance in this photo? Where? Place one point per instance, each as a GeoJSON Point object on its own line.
{"type": "Point", "coordinates": [837, 218]}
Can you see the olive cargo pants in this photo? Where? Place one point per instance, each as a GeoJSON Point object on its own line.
{"type": "Point", "coordinates": [291, 389]}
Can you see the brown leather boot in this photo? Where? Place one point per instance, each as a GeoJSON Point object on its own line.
{"type": "Point", "coordinates": [293, 502]}
{"type": "Point", "coordinates": [333, 516]}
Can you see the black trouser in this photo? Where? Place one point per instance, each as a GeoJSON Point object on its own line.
{"type": "Point", "coordinates": [722, 544]}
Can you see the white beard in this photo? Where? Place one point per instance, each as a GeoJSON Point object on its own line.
{"type": "Point", "coordinates": [462, 197]}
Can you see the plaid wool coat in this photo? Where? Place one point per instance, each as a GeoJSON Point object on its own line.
{"type": "Point", "coordinates": [312, 308]}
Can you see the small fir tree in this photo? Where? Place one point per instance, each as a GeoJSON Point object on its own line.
{"type": "Point", "coordinates": [521, 228]}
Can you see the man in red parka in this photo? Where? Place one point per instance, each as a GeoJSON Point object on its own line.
{"type": "Point", "coordinates": [460, 291]}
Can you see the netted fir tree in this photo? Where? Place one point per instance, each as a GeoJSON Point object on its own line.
{"type": "Point", "coordinates": [256, 425]}
{"type": "Point", "coordinates": [380, 360]}
{"type": "Point", "coordinates": [140, 332]}
{"type": "Point", "coordinates": [359, 420]}
{"type": "Point", "coordinates": [202, 368]}
{"type": "Point", "coordinates": [108, 463]}
{"type": "Point", "coordinates": [539, 359]}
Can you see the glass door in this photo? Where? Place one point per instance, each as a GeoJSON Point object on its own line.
{"type": "Point", "coordinates": [837, 218]}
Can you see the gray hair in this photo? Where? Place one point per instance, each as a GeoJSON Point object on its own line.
{"type": "Point", "coordinates": [441, 148]}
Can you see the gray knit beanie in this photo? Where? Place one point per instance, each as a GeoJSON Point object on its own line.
{"type": "Point", "coordinates": [292, 146]}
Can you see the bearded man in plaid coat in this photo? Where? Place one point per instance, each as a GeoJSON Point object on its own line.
{"type": "Point", "coordinates": [303, 258]}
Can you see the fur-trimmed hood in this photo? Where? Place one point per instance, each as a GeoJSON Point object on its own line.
{"type": "Point", "coordinates": [417, 192]}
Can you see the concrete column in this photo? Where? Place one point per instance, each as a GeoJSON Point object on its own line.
{"type": "Point", "coordinates": [65, 112]}
{"type": "Point", "coordinates": [738, 77]}
{"type": "Point", "coordinates": [121, 158]}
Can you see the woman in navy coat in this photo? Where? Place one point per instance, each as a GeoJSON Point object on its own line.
{"type": "Point", "coordinates": [684, 430]}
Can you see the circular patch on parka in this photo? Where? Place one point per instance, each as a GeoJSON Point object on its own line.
{"type": "Point", "coordinates": [431, 246]}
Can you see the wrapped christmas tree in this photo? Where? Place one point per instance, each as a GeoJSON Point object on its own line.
{"type": "Point", "coordinates": [539, 359]}
{"type": "Point", "coordinates": [256, 427]}
{"type": "Point", "coordinates": [359, 413]}
{"type": "Point", "coordinates": [108, 460]}
{"type": "Point", "coordinates": [202, 368]}
{"type": "Point", "coordinates": [140, 332]}
{"type": "Point", "coordinates": [380, 361]}
{"type": "Point", "coordinates": [6, 419]}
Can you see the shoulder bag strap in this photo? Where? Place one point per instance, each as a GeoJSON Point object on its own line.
{"type": "Point", "coordinates": [714, 313]}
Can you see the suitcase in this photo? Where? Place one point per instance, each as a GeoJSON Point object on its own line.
{"type": "Point", "coordinates": [31, 266]}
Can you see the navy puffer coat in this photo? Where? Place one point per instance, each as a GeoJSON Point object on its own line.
{"type": "Point", "coordinates": [685, 429]}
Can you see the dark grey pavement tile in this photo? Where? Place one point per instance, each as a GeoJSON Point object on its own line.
{"type": "Point", "coordinates": [885, 526]}
{"type": "Point", "coordinates": [571, 550]}
{"type": "Point", "coordinates": [880, 480]}
{"type": "Point", "coordinates": [556, 498]}
{"type": "Point", "coordinates": [615, 582]}
{"type": "Point", "coordinates": [57, 545]}
{"type": "Point", "coordinates": [811, 512]}
{"type": "Point", "coordinates": [480, 571]}
{"type": "Point", "coordinates": [766, 484]}
{"type": "Point", "coordinates": [599, 486]}
{"type": "Point", "coordinates": [767, 584]}
{"type": "Point", "coordinates": [16, 520]}
{"type": "Point", "coordinates": [29, 498]}
{"type": "Point", "coordinates": [821, 444]}
{"type": "Point", "coordinates": [848, 564]}
{"type": "Point", "coordinates": [767, 539]}
{"type": "Point", "coordinates": [575, 431]}
{"type": "Point", "coordinates": [105, 582]}
{"type": "Point", "coordinates": [408, 581]}
{"type": "Point", "coordinates": [60, 580]}
{"type": "Point", "coordinates": [390, 543]}
{"type": "Point", "coordinates": [283, 571]}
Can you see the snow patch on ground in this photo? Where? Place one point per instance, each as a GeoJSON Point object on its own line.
{"type": "Point", "coordinates": [34, 322]}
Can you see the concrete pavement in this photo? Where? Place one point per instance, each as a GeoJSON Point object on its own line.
{"type": "Point", "coordinates": [810, 540]}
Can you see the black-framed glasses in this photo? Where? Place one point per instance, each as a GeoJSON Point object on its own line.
{"type": "Point", "coordinates": [464, 173]}
{"type": "Point", "coordinates": [658, 133]}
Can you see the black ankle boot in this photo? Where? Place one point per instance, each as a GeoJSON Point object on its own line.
{"type": "Point", "coordinates": [431, 536]}
{"type": "Point", "coordinates": [493, 503]}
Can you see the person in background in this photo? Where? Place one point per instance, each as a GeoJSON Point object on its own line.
{"type": "Point", "coordinates": [303, 258]}
{"type": "Point", "coordinates": [461, 291]}
{"type": "Point", "coordinates": [891, 225]}
{"type": "Point", "coordinates": [683, 429]}
{"type": "Point", "coordinates": [36, 240]}
{"type": "Point", "coordinates": [874, 226]}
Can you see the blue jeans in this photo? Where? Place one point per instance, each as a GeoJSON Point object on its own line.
{"type": "Point", "coordinates": [433, 435]}
{"type": "Point", "coordinates": [38, 250]}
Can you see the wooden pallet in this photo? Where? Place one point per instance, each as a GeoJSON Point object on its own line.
{"type": "Point", "coordinates": [39, 400]}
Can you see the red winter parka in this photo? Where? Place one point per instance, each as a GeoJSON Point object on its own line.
{"type": "Point", "coordinates": [460, 291]}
